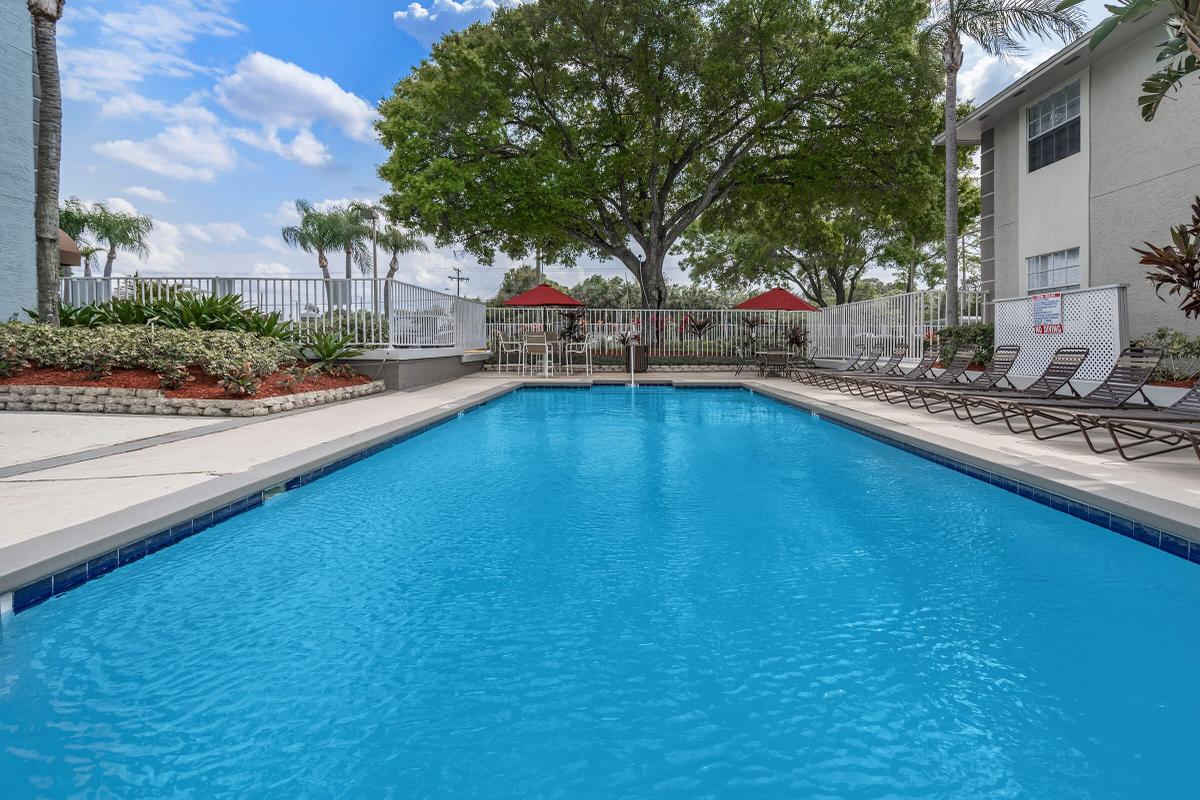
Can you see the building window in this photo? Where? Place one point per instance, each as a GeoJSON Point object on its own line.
{"type": "Point", "coordinates": [1057, 271]}
{"type": "Point", "coordinates": [1054, 127]}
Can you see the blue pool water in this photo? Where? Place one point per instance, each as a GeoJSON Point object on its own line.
{"type": "Point", "coordinates": [615, 593]}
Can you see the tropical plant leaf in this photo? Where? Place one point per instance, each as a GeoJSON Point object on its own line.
{"type": "Point", "coordinates": [1176, 267]}
{"type": "Point", "coordinates": [1156, 87]}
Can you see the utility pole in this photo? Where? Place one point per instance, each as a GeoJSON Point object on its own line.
{"type": "Point", "coordinates": [458, 278]}
{"type": "Point", "coordinates": [537, 259]}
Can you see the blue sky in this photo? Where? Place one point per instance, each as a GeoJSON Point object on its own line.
{"type": "Point", "coordinates": [212, 116]}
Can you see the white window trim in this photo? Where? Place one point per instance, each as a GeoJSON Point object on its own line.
{"type": "Point", "coordinates": [1068, 286]}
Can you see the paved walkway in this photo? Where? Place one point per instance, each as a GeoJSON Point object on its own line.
{"type": "Point", "coordinates": [68, 474]}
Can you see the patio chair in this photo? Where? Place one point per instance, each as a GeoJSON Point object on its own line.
{"type": "Point", "coordinates": [743, 355]}
{"type": "Point", "coordinates": [980, 409]}
{"type": "Point", "coordinates": [537, 346]}
{"type": "Point", "coordinates": [1164, 429]}
{"type": "Point", "coordinates": [935, 401]}
{"type": "Point", "coordinates": [508, 353]}
{"type": "Point", "coordinates": [773, 361]}
{"type": "Point", "coordinates": [819, 376]}
{"type": "Point", "coordinates": [1125, 381]}
{"type": "Point", "coordinates": [582, 348]}
{"type": "Point", "coordinates": [876, 389]}
{"type": "Point", "coordinates": [896, 390]}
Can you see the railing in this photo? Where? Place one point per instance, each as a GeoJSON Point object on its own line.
{"type": "Point", "coordinates": [376, 313]}
{"type": "Point", "coordinates": [911, 319]}
{"type": "Point", "coordinates": [666, 333]}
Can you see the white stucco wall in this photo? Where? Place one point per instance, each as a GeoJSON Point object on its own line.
{"type": "Point", "coordinates": [1052, 203]}
{"type": "Point", "coordinates": [18, 279]}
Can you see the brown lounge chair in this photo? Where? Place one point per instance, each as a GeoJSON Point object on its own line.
{"type": "Point", "coordinates": [1163, 430]}
{"type": "Point", "coordinates": [897, 390]}
{"type": "Point", "coordinates": [858, 360]}
{"type": "Point", "coordinates": [935, 401]}
{"type": "Point", "coordinates": [1125, 381]}
{"type": "Point", "coordinates": [983, 408]}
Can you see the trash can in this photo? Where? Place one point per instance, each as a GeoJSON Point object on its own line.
{"type": "Point", "coordinates": [635, 358]}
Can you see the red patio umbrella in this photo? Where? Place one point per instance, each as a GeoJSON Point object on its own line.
{"type": "Point", "coordinates": [777, 299]}
{"type": "Point", "coordinates": [544, 295]}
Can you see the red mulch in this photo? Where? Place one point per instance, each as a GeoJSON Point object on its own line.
{"type": "Point", "coordinates": [204, 387]}
{"type": "Point", "coordinates": [1179, 384]}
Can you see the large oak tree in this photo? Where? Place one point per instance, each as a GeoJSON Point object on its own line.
{"type": "Point", "coordinates": [608, 128]}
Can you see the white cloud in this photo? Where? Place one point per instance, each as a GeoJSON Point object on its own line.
{"type": "Point", "coordinates": [429, 20]}
{"type": "Point", "coordinates": [222, 232]}
{"type": "Point", "coordinates": [303, 147]}
{"type": "Point", "coordinates": [121, 205]}
{"type": "Point", "coordinates": [166, 252]}
{"type": "Point", "coordinates": [280, 94]}
{"type": "Point", "coordinates": [131, 104]}
{"type": "Point", "coordinates": [181, 152]}
{"type": "Point", "coordinates": [271, 268]}
{"type": "Point", "coordinates": [145, 192]}
{"type": "Point", "coordinates": [171, 24]}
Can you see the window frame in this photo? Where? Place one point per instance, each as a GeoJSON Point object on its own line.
{"type": "Point", "coordinates": [1054, 117]}
{"type": "Point", "coordinates": [1048, 267]}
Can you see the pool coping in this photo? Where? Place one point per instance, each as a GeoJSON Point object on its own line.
{"type": "Point", "coordinates": [37, 569]}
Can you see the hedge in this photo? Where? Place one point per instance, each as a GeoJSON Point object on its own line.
{"type": "Point", "coordinates": [978, 335]}
{"type": "Point", "coordinates": [217, 353]}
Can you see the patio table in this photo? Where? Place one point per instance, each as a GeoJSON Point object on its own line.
{"type": "Point", "coordinates": [772, 362]}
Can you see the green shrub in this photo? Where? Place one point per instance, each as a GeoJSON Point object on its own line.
{"type": "Point", "coordinates": [1181, 354]}
{"type": "Point", "coordinates": [240, 381]}
{"type": "Point", "coordinates": [174, 376]}
{"type": "Point", "coordinates": [217, 353]}
{"type": "Point", "coordinates": [97, 364]}
{"type": "Point", "coordinates": [12, 362]}
{"type": "Point", "coordinates": [978, 335]}
{"type": "Point", "coordinates": [177, 311]}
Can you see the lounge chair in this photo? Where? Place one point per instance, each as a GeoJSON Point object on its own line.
{"type": "Point", "coordinates": [899, 389]}
{"type": "Point", "coordinates": [935, 401]}
{"type": "Point", "coordinates": [801, 373]}
{"type": "Point", "coordinates": [1125, 381]}
{"type": "Point", "coordinates": [819, 376]}
{"type": "Point", "coordinates": [874, 387]}
{"type": "Point", "coordinates": [1163, 429]}
{"type": "Point", "coordinates": [980, 409]}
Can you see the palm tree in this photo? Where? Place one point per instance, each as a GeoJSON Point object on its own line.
{"type": "Point", "coordinates": [396, 240]}
{"type": "Point", "coordinates": [997, 26]}
{"type": "Point", "coordinates": [73, 218]}
{"type": "Point", "coordinates": [46, 14]}
{"type": "Point", "coordinates": [353, 232]}
{"type": "Point", "coordinates": [118, 231]}
{"type": "Point", "coordinates": [86, 252]}
{"type": "Point", "coordinates": [317, 232]}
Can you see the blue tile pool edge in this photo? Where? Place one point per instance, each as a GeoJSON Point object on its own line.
{"type": "Point", "coordinates": [40, 590]}
{"type": "Point", "coordinates": [1179, 546]}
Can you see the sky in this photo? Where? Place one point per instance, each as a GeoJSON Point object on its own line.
{"type": "Point", "coordinates": [213, 116]}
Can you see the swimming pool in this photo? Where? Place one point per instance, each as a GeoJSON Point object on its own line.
{"type": "Point", "coordinates": [616, 593]}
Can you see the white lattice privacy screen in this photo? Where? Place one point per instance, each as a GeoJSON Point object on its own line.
{"type": "Point", "coordinates": [1092, 318]}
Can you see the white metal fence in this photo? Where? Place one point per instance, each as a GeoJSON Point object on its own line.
{"type": "Point", "coordinates": [1092, 318]}
{"type": "Point", "coordinates": [376, 313]}
{"type": "Point", "coordinates": [911, 319]}
{"type": "Point", "coordinates": [713, 335]}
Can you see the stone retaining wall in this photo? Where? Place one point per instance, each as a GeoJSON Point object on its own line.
{"type": "Point", "coordinates": [110, 400]}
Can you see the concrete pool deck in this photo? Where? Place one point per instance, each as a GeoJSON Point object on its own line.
{"type": "Point", "coordinates": [74, 486]}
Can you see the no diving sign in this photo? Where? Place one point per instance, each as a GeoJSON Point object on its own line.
{"type": "Point", "coordinates": [1047, 312]}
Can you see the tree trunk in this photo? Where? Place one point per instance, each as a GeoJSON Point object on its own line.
{"type": "Point", "coordinates": [108, 262]}
{"type": "Point", "coordinates": [349, 269]}
{"type": "Point", "coordinates": [87, 267]}
{"type": "Point", "coordinates": [911, 281]}
{"type": "Point", "coordinates": [953, 60]}
{"type": "Point", "coordinates": [49, 156]}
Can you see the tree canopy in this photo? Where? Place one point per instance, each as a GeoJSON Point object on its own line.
{"type": "Point", "coordinates": [608, 128]}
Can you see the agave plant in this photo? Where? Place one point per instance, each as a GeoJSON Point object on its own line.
{"type": "Point", "coordinates": [327, 347]}
{"type": "Point", "coordinates": [1176, 266]}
